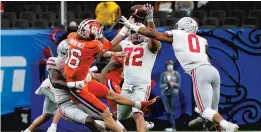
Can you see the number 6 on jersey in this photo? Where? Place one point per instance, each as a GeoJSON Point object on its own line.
{"type": "Point", "coordinates": [73, 61]}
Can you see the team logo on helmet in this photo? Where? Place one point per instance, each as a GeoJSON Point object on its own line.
{"type": "Point", "coordinates": [89, 29]}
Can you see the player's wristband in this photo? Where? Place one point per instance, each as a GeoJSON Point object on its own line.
{"type": "Point", "coordinates": [123, 31]}
{"type": "Point", "coordinates": [71, 84]}
{"type": "Point", "coordinates": [137, 104]}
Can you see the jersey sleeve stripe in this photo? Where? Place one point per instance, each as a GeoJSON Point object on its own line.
{"type": "Point", "coordinates": [50, 64]}
{"type": "Point", "coordinates": [51, 60]}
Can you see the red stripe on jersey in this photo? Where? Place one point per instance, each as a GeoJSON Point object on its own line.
{"type": "Point", "coordinates": [50, 60]}
{"type": "Point", "coordinates": [50, 64]}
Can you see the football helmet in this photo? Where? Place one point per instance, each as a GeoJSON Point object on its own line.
{"type": "Point", "coordinates": [187, 24]}
{"type": "Point", "coordinates": [89, 29]}
{"type": "Point", "coordinates": [62, 49]}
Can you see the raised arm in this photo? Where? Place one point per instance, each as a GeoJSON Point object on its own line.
{"type": "Point", "coordinates": [112, 65]}
{"type": "Point", "coordinates": [154, 45]}
{"type": "Point", "coordinates": [149, 32]}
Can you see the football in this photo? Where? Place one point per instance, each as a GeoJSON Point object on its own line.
{"type": "Point", "coordinates": [139, 12]}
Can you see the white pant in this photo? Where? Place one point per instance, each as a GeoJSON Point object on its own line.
{"type": "Point", "coordinates": [135, 93]}
{"type": "Point", "coordinates": [73, 112]}
{"type": "Point", "coordinates": [49, 105]}
{"type": "Point", "coordinates": [206, 87]}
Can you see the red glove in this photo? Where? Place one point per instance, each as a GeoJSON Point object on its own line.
{"type": "Point", "coordinates": [146, 106]}
{"type": "Point", "coordinates": [152, 83]}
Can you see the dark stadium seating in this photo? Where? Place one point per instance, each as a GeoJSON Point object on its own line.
{"type": "Point", "coordinates": [200, 14]}
{"type": "Point", "coordinates": [207, 27]}
{"type": "Point", "coordinates": [84, 15]}
{"type": "Point", "coordinates": [252, 21]}
{"type": "Point", "coordinates": [41, 24]}
{"type": "Point", "coordinates": [22, 24]}
{"type": "Point", "coordinates": [74, 8]}
{"type": "Point", "coordinates": [8, 16]}
{"type": "Point", "coordinates": [70, 16]}
{"type": "Point", "coordinates": [219, 14]}
{"type": "Point", "coordinates": [171, 21]}
{"type": "Point", "coordinates": [49, 16]}
{"type": "Point", "coordinates": [29, 16]}
{"type": "Point", "coordinates": [211, 21]}
{"type": "Point", "coordinates": [54, 8]}
{"type": "Point", "coordinates": [240, 14]}
{"type": "Point", "coordinates": [245, 7]}
{"type": "Point", "coordinates": [34, 8]}
{"type": "Point", "coordinates": [255, 13]}
{"type": "Point", "coordinates": [50, 11]}
{"type": "Point", "coordinates": [5, 24]}
{"type": "Point", "coordinates": [248, 26]}
{"type": "Point", "coordinates": [228, 26]}
{"type": "Point", "coordinates": [162, 15]}
{"type": "Point", "coordinates": [233, 21]}
{"type": "Point", "coordinates": [179, 14]}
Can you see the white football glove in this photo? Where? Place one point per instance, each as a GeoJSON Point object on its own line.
{"type": "Point", "coordinates": [149, 17]}
{"type": "Point", "coordinates": [124, 30]}
{"type": "Point", "coordinates": [77, 84]}
{"type": "Point", "coordinates": [129, 25]}
{"type": "Point", "coordinates": [89, 77]}
{"type": "Point", "coordinates": [99, 35]}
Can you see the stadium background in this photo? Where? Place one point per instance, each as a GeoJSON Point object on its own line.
{"type": "Point", "coordinates": [30, 32]}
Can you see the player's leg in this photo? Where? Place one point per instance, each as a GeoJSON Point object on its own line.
{"type": "Point", "coordinates": [202, 83]}
{"type": "Point", "coordinates": [95, 105]}
{"type": "Point", "coordinates": [75, 113]}
{"type": "Point", "coordinates": [141, 93]}
{"type": "Point", "coordinates": [115, 88]}
{"type": "Point", "coordinates": [102, 91]}
{"type": "Point", "coordinates": [218, 119]}
{"type": "Point", "coordinates": [48, 110]}
{"type": "Point", "coordinates": [56, 119]}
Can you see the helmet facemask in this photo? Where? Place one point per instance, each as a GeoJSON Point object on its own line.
{"type": "Point", "coordinates": [135, 37]}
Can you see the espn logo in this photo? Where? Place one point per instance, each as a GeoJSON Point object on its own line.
{"type": "Point", "coordinates": [17, 65]}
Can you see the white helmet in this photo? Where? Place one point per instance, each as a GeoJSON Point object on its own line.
{"type": "Point", "coordinates": [89, 29]}
{"type": "Point", "coordinates": [187, 24]}
{"type": "Point", "coordinates": [136, 37]}
{"type": "Point", "coordinates": [62, 49]}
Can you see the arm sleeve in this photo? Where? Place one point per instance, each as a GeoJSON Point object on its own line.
{"type": "Point", "coordinates": [107, 45]}
{"type": "Point", "coordinates": [162, 84]}
{"type": "Point", "coordinates": [178, 79]}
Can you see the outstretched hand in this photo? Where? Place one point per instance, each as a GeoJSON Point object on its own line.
{"type": "Point", "coordinates": [149, 17]}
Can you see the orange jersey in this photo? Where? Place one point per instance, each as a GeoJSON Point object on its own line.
{"type": "Point", "coordinates": [116, 75]}
{"type": "Point", "coordinates": [81, 54]}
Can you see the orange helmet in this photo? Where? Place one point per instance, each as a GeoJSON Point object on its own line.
{"type": "Point", "coordinates": [89, 29]}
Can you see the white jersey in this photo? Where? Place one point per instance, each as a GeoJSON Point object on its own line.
{"type": "Point", "coordinates": [60, 95]}
{"type": "Point", "coordinates": [190, 50]}
{"type": "Point", "coordinates": [138, 64]}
